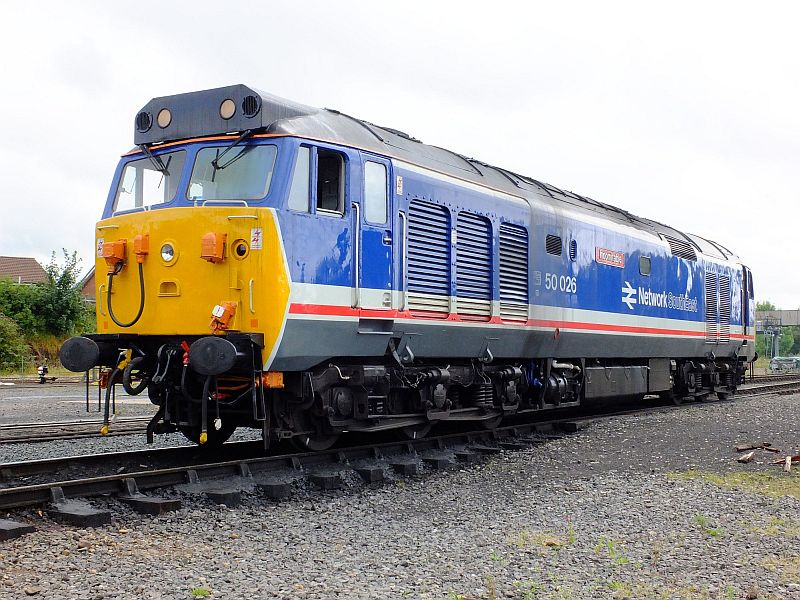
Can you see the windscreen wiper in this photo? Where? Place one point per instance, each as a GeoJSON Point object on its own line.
{"type": "Point", "coordinates": [156, 160]}
{"type": "Point", "coordinates": [215, 162]}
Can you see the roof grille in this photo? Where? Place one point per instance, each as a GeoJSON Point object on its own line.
{"type": "Point", "coordinates": [250, 106]}
{"type": "Point", "coordinates": [681, 248]}
{"type": "Point", "coordinates": [144, 121]}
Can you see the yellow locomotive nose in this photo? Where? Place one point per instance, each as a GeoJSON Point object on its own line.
{"type": "Point", "coordinates": [227, 266]}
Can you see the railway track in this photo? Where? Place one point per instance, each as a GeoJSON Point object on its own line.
{"type": "Point", "coordinates": [770, 386]}
{"type": "Point", "coordinates": [773, 378]}
{"type": "Point", "coordinates": [130, 473]}
{"type": "Point", "coordinates": [15, 433]}
{"type": "Point", "coordinates": [38, 482]}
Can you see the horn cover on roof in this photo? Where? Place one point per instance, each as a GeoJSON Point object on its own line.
{"type": "Point", "coordinates": [197, 114]}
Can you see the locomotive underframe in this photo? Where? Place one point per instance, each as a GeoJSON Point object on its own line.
{"type": "Point", "coordinates": [402, 393]}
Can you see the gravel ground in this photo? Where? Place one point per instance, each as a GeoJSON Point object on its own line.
{"type": "Point", "coordinates": [610, 512]}
{"type": "Point", "coordinates": [31, 403]}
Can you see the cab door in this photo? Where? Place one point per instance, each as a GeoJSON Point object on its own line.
{"type": "Point", "coordinates": [747, 299]}
{"type": "Point", "coordinates": [374, 234]}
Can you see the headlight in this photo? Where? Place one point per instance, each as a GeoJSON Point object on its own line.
{"type": "Point", "coordinates": [164, 118]}
{"type": "Point", "coordinates": [167, 252]}
{"type": "Point", "coordinates": [227, 109]}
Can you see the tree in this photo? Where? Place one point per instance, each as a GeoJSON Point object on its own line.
{"type": "Point", "coordinates": [60, 304]}
{"type": "Point", "coordinates": [19, 303]}
{"type": "Point", "coordinates": [765, 305]}
{"type": "Point", "coordinates": [795, 349]}
{"type": "Point", "coordinates": [787, 341]}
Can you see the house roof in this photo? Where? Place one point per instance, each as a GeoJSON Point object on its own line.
{"type": "Point", "coordinates": [22, 269]}
{"type": "Point", "coordinates": [86, 285]}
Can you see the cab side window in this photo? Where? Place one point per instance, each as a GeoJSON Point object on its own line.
{"type": "Point", "coordinates": [299, 192]}
{"type": "Point", "coordinates": [330, 182]}
{"type": "Point", "coordinates": [375, 195]}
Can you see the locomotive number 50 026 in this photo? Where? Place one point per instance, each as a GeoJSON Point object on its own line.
{"type": "Point", "coordinates": [563, 283]}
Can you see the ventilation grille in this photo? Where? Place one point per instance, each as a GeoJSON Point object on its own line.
{"type": "Point", "coordinates": [712, 328]}
{"type": "Point", "coordinates": [724, 309]}
{"type": "Point", "coordinates": [250, 106]}
{"type": "Point", "coordinates": [144, 121]}
{"type": "Point", "coordinates": [553, 245]}
{"type": "Point", "coordinates": [513, 273]}
{"type": "Point", "coordinates": [681, 248]}
{"type": "Point", "coordinates": [718, 308]}
{"type": "Point", "coordinates": [573, 250]}
{"type": "Point", "coordinates": [474, 267]}
{"type": "Point", "coordinates": [428, 259]}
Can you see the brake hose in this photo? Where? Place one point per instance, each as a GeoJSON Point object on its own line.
{"type": "Point", "coordinates": [141, 294]}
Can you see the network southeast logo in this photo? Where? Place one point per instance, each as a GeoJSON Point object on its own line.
{"type": "Point", "coordinates": [647, 297]}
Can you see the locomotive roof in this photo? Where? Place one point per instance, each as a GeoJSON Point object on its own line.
{"type": "Point", "coordinates": [197, 114]}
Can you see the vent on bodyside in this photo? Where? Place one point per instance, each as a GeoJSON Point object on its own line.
{"type": "Point", "coordinates": [474, 267]}
{"type": "Point", "coordinates": [712, 326]}
{"type": "Point", "coordinates": [513, 273]}
{"type": "Point", "coordinates": [681, 248]}
{"type": "Point", "coordinates": [553, 245]}
{"type": "Point", "coordinates": [428, 261]}
{"type": "Point", "coordinates": [724, 309]}
{"type": "Point", "coordinates": [573, 250]}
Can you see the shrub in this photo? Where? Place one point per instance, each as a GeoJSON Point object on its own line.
{"type": "Point", "coordinates": [12, 345]}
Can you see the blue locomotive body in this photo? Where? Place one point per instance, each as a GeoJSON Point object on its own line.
{"type": "Point", "coordinates": [410, 284]}
{"type": "Point", "coordinates": [548, 274]}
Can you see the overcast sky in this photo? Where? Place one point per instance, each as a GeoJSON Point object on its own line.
{"type": "Point", "coordinates": [685, 112]}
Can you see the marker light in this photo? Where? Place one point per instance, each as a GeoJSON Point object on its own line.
{"type": "Point", "coordinates": [164, 118]}
{"type": "Point", "coordinates": [167, 252]}
{"type": "Point", "coordinates": [227, 109]}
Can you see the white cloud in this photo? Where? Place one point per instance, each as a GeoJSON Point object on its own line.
{"type": "Point", "coordinates": [682, 112]}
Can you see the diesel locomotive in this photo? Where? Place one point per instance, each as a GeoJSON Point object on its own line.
{"type": "Point", "coordinates": [270, 265]}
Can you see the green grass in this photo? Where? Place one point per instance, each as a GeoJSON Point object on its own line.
{"type": "Point", "coordinates": [530, 590]}
{"type": "Point", "coordinates": [200, 592]}
{"type": "Point", "coordinates": [537, 539]}
{"type": "Point", "coordinates": [612, 549]}
{"type": "Point", "coordinates": [703, 523]}
{"type": "Point", "coordinates": [787, 567]}
{"type": "Point", "coordinates": [767, 484]}
{"type": "Point", "coordinates": [777, 526]}
{"type": "Point", "coordinates": [571, 535]}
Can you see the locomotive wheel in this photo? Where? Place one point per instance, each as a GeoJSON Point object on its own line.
{"type": "Point", "coordinates": [317, 439]}
{"type": "Point", "coordinates": [215, 438]}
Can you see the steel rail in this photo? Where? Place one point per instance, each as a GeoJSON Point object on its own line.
{"type": "Point", "coordinates": [76, 422]}
{"type": "Point", "coordinates": [763, 389]}
{"type": "Point", "coordinates": [41, 432]}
